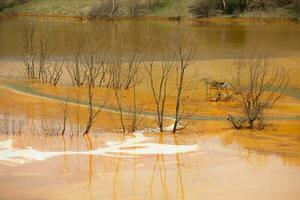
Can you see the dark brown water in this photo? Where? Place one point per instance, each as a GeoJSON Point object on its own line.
{"type": "Point", "coordinates": [212, 40]}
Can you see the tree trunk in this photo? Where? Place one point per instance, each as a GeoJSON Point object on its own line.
{"type": "Point", "coordinates": [224, 5]}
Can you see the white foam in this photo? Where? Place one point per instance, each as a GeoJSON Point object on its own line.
{"type": "Point", "coordinates": [157, 130]}
{"type": "Point", "coordinates": [6, 144]}
{"type": "Point", "coordinates": [136, 145]}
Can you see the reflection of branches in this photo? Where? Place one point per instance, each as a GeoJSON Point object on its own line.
{"type": "Point", "coordinates": [91, 164]}
{"type": "Point", "coordinates": [11, 124]}
{"type": "Point", "coordinates": [116, 177]}
{"type": "Point", "coordinates": [180, 183]}
{"type": "Point", "coordinates": [160, 162]}
{"type": "Point", "coordinates": [50, 127]}
{"type": "Point", "coordinates": [134, 184]}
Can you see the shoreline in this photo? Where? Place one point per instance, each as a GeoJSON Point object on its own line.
{"type": "Point", "coordinates": [221, 19]}
{"type": "Point", "coordinates": [26, 90]}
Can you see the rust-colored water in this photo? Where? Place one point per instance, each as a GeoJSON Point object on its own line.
{"type": "Point", "coordinates": [212, 40]}
{"type": "Point", "coordinates": [214, 170]}
{"type": "Point", "coordinates": [206, 161]}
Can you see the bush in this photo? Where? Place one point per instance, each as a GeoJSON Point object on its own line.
{"type": "Point", "coordinates": [203, 8]}
{"type": "Point", "coordinates": [137, 9]}
{"type": "Point", "coordinates": [266, 4]}
{"type": "Point", "coordinates": [11, 3]}
{"type": "Point", "coordinates": [105, 10]}
{"type": "Point", "coordinates": [234, 6]}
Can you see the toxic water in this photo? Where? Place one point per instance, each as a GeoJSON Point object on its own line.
{"type": "Point", "coordinates": [211, 40]}
{"type": "Point", "coordinates": [140, 166]}
{"type": "Point", "coordinates": [189, 166]}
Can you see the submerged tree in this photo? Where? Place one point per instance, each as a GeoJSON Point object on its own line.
{"type": "Point", "coordinates": [159, 81]}
{"type": "Point", "coordinates": [36, 52]}
{"type": "Point", "coordinates": [185, 53]}
{"type": "Point", "coordinates": [93, 110]}
{"type": "Point", "coordinates": [124, 80]}
{"type": "Point", "coordinates": [77, 74]}
{"type": "Point", "coordinates": [38, 58]}
{"type": "Point", "coordinates": [258, 85]}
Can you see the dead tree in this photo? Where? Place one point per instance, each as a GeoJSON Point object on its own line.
{"type": "Point", "coordinates": [92, 113]}
{"type": "Point", "coordinates": [77, 74]}
{"type": "Point", "coordinates": [54, 72]}
{"type": "Point", "coordinates": [36, 56]}
{"type": "Point", "coordinates": [131, 106]}
{"type": "Point", "coordinates": [117, 84]}
{"type": "Point", "coordinates": [96, 63]}
{"type": "Point", "coordinates": [29, 50]}
{"type": "Point", "coordinates": [258, 85]}
{"type": "Point", "coordinates": [224, 5]}
{"type": "Point", "coordinates": [185, 52]}
{"type": "Point", "coordinates": [131, 69]}
{"type": "Point", "coordinates": [65, 116]}
{"type": "Point", "coordinates": [104, 71]}
{"type": "Point", "coordinates": [115, 68]}
{"type": "Point", "coordinates": [159, 85]}
{"type": "Point", "coordinates": [44, 56]}
{"type": "Point", "coordinates": [94, 67]}
{"type": "Point", "coordinates": [134, 109]}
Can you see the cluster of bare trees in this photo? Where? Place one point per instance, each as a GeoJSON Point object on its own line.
{"type": "Point", "coordinates": [172, 64]}
{"type": "Point", "coordinates": [40, 63]}
{"type": "Point", "coordinates": [258, 85]}
{"type": "Point", "coordinates": [91, 67]}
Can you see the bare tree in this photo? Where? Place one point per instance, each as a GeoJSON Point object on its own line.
{"type": "Point", "coordinates": [224, 5]}
{"type": "Point", "coordinates": [132, 68]}
{"type": "Point", "coordinates": [117, 84]}
{"type": "Point", "coordinates": [159, 85]}
{"type": "Point", "coordinates": [92, 114]}
{"type": "Point", "coordinates": [135, 108]}
{"type": "Point", "coordinates": [185, 51]}
{"type": "Point", "coordinates": [259, 85]}
{"type": "Point", "coordinates": [65, 116]}
{"type": "Point", "coordinates": [38, 57]}
{"type": "Point", "coordinates": [29, 50]}
{"type": "Point", "coordinates": [35, 56]}
{"type": "Point", "coordinates": [104, 70]}
{"type": "Point", "coordinates": [94, 65]}
{"type": "Point", "coordinates": [54, 72]}
{"type": "Point", "coordinates": [44, 56]}
{"type": "Point", "coordinates": [131, 105]}
{"type": "Point", "coordinates": [77, 74]}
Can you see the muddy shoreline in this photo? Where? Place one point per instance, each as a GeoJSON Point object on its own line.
{"type": "Point", "coordinates": [161, 18]}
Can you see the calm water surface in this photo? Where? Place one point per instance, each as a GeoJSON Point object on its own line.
{"type": "Point", "coordinates": [212, 40]}
{"type": "Point", "coordinates": [213, 169]}
{"type": "Point", "coordinates": [155, 167]}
